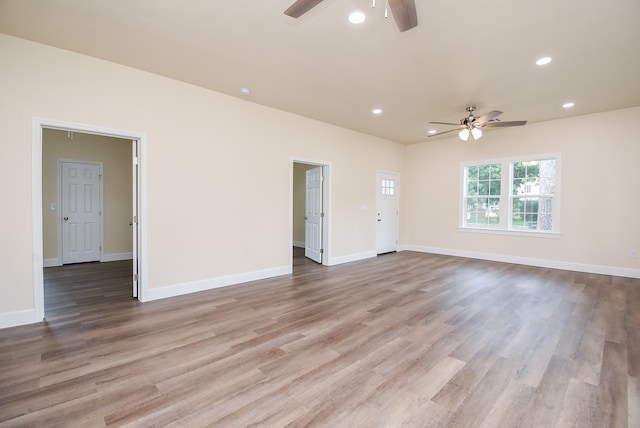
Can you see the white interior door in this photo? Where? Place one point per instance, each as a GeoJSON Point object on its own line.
{"type": "Point", "coordinates": [81, 211]}
{"type": "Point", "coordinates": [134, 215]}
{"type": "Point", "coordinates": [313, 215]}
{"type": "Point", "coordinates": [387, 212]}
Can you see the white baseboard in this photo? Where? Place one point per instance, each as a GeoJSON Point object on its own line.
{"type": "Point", "coordinates": [551, 264]}
{"type": "Point", "coordinates": [51, 262]}
{"type": "Point", "coordinates": [12, 319]}
{"type": "Point", "coordinates": [114, 257]}
{"type": "Point", "coordinates": [351, 258]}
{"type": "Point", "coordinates": [209, 284]}
{"type": "Point", "coordinates": [299, 244]}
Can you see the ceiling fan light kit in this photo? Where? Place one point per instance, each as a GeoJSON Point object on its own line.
{"type": "Point", "coordinates": [475, 133]}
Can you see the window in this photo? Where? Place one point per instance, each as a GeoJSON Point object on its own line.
{"type": "Point", "coordinates": [388, 187]}
{"type": "Point", "coordinates": [483, 195]}
{"type": "Point", "coordinates": [512, 195]}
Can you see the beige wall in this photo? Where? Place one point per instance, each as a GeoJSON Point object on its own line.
{"type": "Point", "coordinates": [115, 155]}
{"type": "Point", "coordinates": [203, 208]}
{"type": "Point", "coordinates": [599, 190]}
{"type": "Point", "coordinates": [299, 197]}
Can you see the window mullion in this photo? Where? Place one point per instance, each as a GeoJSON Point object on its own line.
{"type": "Point", "coordinates": [505, 191]}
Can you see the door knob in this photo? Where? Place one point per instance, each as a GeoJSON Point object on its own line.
{"type": "Point", "coordinates": [379, 219]}
{"type": "Point", "coordinates": [66, 219]}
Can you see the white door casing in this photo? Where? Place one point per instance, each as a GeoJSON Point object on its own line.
{"type": "Point", "coordinates": [81, 213]}
{"type": "Point", "coordinates": [313, 215]}
{"type": "Point", "coordinates": [387, 212]}
{"type": "Point", "coordinates": [38, 125]}
{"type": "Point", "coordinates": [134, 215]}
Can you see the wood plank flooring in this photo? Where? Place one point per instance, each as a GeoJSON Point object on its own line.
{"type": "Point", "coordinates": [406, 339]}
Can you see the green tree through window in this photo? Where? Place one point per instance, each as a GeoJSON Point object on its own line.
{"type": "Point", "coordinates": [483, 194]}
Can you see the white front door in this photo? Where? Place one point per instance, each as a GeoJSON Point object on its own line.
{"type": "Point", "coordinates": [81, 211]}
{"type": "Point", "coordinates": [387, 212]}
{"type": "Point", "coordinates": [313, 215]}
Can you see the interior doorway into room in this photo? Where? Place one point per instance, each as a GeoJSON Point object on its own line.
{"type": "Point", "coordinates": [387, 206]}
{"type": "Point", "coordinates": [310, 220]}
{"type": "Point", "coordinates": [135, 143]}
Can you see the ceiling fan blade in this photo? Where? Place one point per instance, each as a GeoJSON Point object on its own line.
{"type": "Point", "coordinates": [445, 132]}
{"type": "Point", "coordinates": [503, 124]}
{"type": "Point", "coordinates": [300, 7]}
{"type": "Point", "coordinates": [489, 116]}
{"type": "Point", "coordinates": [445, 123]}
{"type": "Point", "coordinates": [404, 12]}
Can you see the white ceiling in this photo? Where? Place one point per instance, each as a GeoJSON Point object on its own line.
{"type": "Point", "coordinates": [321, 66]}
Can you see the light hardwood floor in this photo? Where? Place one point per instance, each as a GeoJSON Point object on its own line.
{"type": "Point", "coordinates": [405, 339]}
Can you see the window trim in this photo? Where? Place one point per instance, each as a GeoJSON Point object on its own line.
{"type": "Point", "coordinates": [504, 226]}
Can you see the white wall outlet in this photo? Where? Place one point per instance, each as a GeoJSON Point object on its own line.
{"type": "Point", "coordinates": [634, 253]}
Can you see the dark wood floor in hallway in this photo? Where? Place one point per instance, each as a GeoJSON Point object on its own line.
{"type": "Point", "coordinates": [405, 339]}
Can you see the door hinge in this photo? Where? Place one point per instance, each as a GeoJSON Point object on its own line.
{"type": "Point", "coordinates": [135, 219]}
{"type": "Point", "coordinates": [135, 276]}
{"type": "Point", "coordinates": [135, 161]}
{"type": "Point", "coordinates": [321, 215]}
{"type": "Point", "coordinates": [321, 250]}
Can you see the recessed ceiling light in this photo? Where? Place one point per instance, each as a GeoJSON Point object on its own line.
{"type": "Point", "coordinates": [357, 17]}
{"type": "Point", "coordinates": [544, 60]}
{"type": "Point", "coordinates": [376, 111]}
{"type": "Point", "coordinates": [245, 91]}
{"type": "Point", "coordinates": [432, 131]}
{"type": "Point", "coordinates": [568, 105]}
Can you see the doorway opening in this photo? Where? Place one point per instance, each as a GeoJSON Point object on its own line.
{"type": "Point", "coordinates": [48, 204]}
{"type": "Point", "coordinates": [310, 219]}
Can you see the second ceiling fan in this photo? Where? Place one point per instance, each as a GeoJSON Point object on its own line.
{"type": "Point", "coordinates": [404, 11]}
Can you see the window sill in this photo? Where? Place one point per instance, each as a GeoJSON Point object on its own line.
{"type": "Point", "coordinates": [533, 233]}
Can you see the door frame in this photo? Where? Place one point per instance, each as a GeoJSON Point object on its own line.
{"type": "Point", "coordinates": [38, 125]}
{"type": "Point", "coordinates": [326, 206]}
{"type": "Point", "coordinates": [101, 208]}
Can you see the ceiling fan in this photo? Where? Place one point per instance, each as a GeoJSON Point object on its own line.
{"type": "Point", "coordinates": [472, 125]}
{"type": "Point", "coordinates": [404, 11]}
